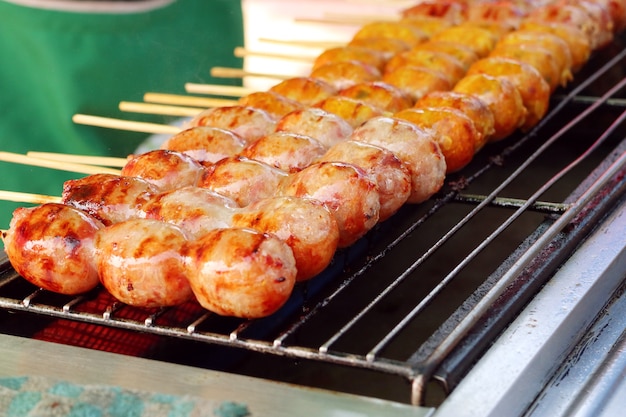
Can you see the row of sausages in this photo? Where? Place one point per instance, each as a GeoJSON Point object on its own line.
{"type": "Point", "coordinates": [252, 198]}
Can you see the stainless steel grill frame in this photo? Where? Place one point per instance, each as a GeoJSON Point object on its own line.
{"type": "Point", "coordinates": [439, 356]}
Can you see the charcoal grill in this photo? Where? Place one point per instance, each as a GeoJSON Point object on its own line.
{"type": "Point", "coordinates": [499, 296]}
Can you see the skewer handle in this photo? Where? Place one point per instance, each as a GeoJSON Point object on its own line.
{"type": "Point", "coordinates": [224, 72]}
{"type": "Point", "coordinates": [182, 100]}
{"type": "Point", "coordinates": [163, 109]}
{"type": "Point", "coordinates": [28, 198]}
{"type": "Point", "coordinates": [59, 165]}
{"type": "Point", "coordinates": [241, 52]}
{"type": "Point", "coordinates": [105, 161]}
{"type": "Point", "coordinates": [218, 90]}
{"type": "Point", "coordinates": [332, 21]}
{"type": "Point", "coordinates": [111, 123]}
{"type": "Point", "coordinates": [304, 43]}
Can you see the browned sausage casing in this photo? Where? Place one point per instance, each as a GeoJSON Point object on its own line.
{"type": "Point", "coordinates": [288, 151]}
{"type": "Point", "coordinates": [503, 99]}
{"type": "Point", "coordinates": [273, 103]}
{"type": "Point", "coordinates": [247, 122]}
{"type": "Point", "coordinates": [533, 89]}
{"type": "Point", "coordinates": [326, 127]}
{"type": "Point", "coordinates": [390, 174]}
{"type": "Point", "coordinates": [305, 90]}
{"type": "Point", "coordinates": [51, 246]}
{"type": "Point", "coordinates": [415, 147]}
{"type": "Point", "coordinates": [379, 94]}
{"type": "Point", "coordinates": [140, 263]}
{"type": "Point", "coordinates": [206, 144]}
{"type": "Point", "coordinates": [471, 105]}
{"type": "Point", "coordinates": [306, 225]}
{"type": "Point", "coordinates": [352, 110]}
{"type": "Point", "coordinates": [240, 272]}
{"type": "Point", "coordinates": [242, 179]}
{"type": "Point", "coordinates": [454, 131]}
{"type": "Point", "coordinates": [345, 189]}
{"type": "Point", "coordinates": [165, 169]}
{"type": "Point", "coordinates": [109, 198]}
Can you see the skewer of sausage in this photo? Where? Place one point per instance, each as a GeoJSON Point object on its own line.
{"type": "Point", "coordinates": [330, 130]}
{"type": "Point", "coordinates": [306, 225]}
{"type": "Point", "coordinates": [411, 145]}
{"type": "Point", "coordinates": [164, 189]}
{"type": "Point", "coordinates": [301, 222]}
{"type": "Point", "coordinates": [149, 263]}
{"type": "Point", "coordinates": [531, 120]}
{"type": "Point", "coordinates": [535, 113]}
{"type": "Point", "coordinates": [346, 189]}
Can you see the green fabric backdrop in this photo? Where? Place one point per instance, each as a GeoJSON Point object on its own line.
{"type": "Point", "coordinates": [55, 64]}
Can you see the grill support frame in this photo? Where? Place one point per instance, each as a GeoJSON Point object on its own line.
{"type": "Point", "coordinates": [507, 379]}
{"type": "Point", "coordinates": [508, 291]}
{"type": "Point", "coordinates": [594, 199]}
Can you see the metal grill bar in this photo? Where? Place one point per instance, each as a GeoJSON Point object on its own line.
{"type": "Point", "coordinates": [191, 333]}
{"type": "Point", "coordinates": [510, 220]}
{"type": "Point", "coordinates": [488, 200]}
{"type": "Point", "coordinates": [616, 102]}
{"type": "Point", "coordinates": [506, 202]}
{"type": "Point", "coordinates": [313, 311]}
{"type": "Point", "coordinates": [417, 371]}
{"type": "Point", "coordinates": [420, 306]}
{"type": "Point", "coordinates": [481, 308]}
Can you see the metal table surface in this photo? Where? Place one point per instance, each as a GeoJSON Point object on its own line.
{"type": "Point", "coordinates": [26, 357]}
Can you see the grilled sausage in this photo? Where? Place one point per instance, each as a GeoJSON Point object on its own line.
{"type": "Point", "coordinates": [51, 246]}
{"type": "Point", "coordinates": [248, 122]}
{"type": "Point", "coordinates": [389, 173]}
{"type": "Point", "coordinates": [415, 147]}
{"type": "Point", "coordinates": [240, 272]}
{"type": "Point", "coordinates": [205, 144]}
{"type": "Point", "coordinates": [288, 151]}
{"type": "Point", "coordinates": [165, 169]}
{"type": "Point", "coordinates": [109, 198]}
{"type": "Point", "coordinates": [345, 189]}
{"type": "Point", "coordinates": [326, 127]}
{"type": "Point", "coordinates": [139, 262]}
{"type": "Point", "coordinates": [455, 132]}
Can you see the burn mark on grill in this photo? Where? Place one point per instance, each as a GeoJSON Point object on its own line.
{"type": "Point", "coordinates": [497, 160]}
{"type": "Point", "coordinates": [460, 184]}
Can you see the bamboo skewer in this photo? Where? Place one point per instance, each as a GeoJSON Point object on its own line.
{"type": "Point", "coordinates": [338, 20]}
{"type": "Point", "coordinates": [182, 100]}
{"type": "Point", "coordinates": [218, 90]}
{"type": "Point", "coordinates": [103, 161]}
{"type": "Point", "coordinates": [112, 123]}
{"type": "Point", "coordinates": [163, 109]}
{"type": "Point", "coordinates": [28, 197]}
{"type": "Point", "coordinates": [241, 52]}
{"type": "Point", "coordinates": [358, 19]}
{"type": "Point", "coordinates": [59, 165]}
{"type": "Point", "coordinates": [347, 19]}
{"type": "Point", "coordinates": [304, 43]}
{"type": "Point", "coordinates": [225, 72]}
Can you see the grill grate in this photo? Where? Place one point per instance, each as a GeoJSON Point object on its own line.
{"type": "Point", "coordinates": [423, 294]}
